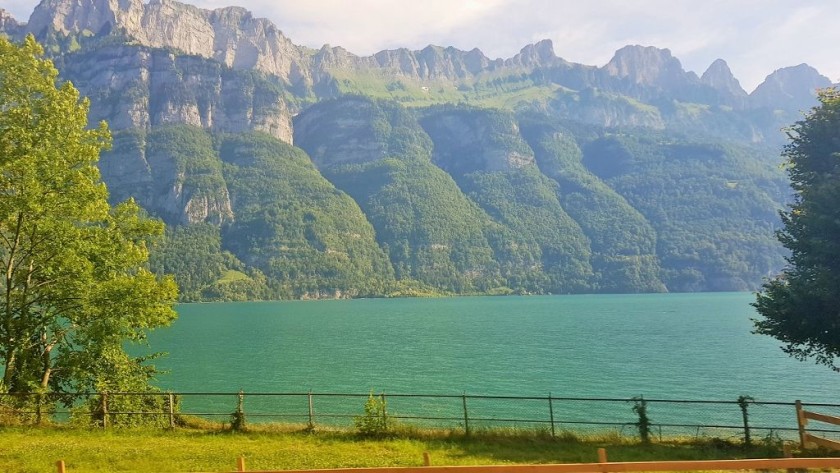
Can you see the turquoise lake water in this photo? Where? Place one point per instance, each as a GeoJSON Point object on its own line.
{"type": "Point", "coordinates": [673, 346]}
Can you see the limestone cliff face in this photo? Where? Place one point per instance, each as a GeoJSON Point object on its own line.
{"type": "Point", "coordinates": [171, 172]}
{"type": "Point", "coordinates": [229, 35]}
{"type": "Point", "coordinates": [645, 66]}
{"type": "Point", "coordinates": [138, 87]}
{"type": "Point", "coordinates": [469, 140]}
{"type": "Point", "coordinates": [9, 25]}
{"type": "Point", "coordinates": [719, 76]}
{"type": "Point", "coordinates": [789, 88]}
{"type": "Point", "coordinates": [341, 132]}
{"type": "Point", "coordinates": [652, 79]}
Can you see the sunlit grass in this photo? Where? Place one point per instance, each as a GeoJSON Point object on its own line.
{"type": "Point", "coordinates": [212, 448]}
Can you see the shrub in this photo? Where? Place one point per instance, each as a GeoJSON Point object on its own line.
{"type": "Point", "coordinates": [374, 422]}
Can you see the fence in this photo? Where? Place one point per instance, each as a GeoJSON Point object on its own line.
{"type": "Point", "coordinates": [805, 438]}
{"type": "Point", "coordinates": [603, 466]}
{"type": "Point", "coordinates": [743, 418]}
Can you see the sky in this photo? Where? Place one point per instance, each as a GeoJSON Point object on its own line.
{"type": "Point", "coordinates": [755, 37]}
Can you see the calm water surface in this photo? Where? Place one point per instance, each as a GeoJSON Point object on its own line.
{"type": "Point", "coordinates": [675, 346]}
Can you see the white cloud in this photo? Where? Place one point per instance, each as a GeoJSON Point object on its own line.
{"type": "Point", "coordinates": [755, 37]}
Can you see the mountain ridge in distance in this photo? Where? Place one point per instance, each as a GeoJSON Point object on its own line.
{"type": "Point", "coordinates": [289, 172]}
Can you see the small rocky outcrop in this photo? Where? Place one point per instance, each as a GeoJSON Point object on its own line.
{"type": "Point", "coordinates": [9, 25]}
{"type": "Point", "coordinates": [469, 140]}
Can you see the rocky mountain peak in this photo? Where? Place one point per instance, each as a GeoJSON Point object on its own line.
{"type": "Point", "coordinates": [789, 88]}
{"type": "Point", "coordinates": [720, 77]}
{"type": "Point", "coordinates": [65, 16]}
{"type": "Point", "coordinates": [538, 54]}
{"type": "Point", "coordinates": [8, 23]}
{"type": "Point", "coordinates": [645, 65]}
{"type": "Point", "coordinates": [229, 35]}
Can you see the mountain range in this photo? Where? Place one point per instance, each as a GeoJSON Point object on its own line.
{"type": "Point", "coordinates": [288, 172]}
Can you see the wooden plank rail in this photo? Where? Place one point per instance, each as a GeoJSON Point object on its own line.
{"type": "Point", "coordinates": [602, 467]}
{"type": "Point", "coordinates": [805, 438]}
{"type": "Point", "coordinates": [823, 442]}
{"type": "Point", "coordinates": [618, 467]}
{"type": "Point", "coordinates": [821, 417]}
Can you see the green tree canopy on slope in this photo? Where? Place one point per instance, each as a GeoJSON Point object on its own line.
{"type": "Point", "coordinates": [74, 281]}
{"type": "Point", "coordinates": [801, 307]}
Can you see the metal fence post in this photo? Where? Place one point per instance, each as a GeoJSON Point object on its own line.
{"type": "Point", "coordinates": [551, 414]}
{"type": "Point", "coordinates": [311, 412]}
{"type": "Point", "coordinates": [466, 416]}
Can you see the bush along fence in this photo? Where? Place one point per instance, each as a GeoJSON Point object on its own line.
{"type": "Point", "coordinates": [373, 413]}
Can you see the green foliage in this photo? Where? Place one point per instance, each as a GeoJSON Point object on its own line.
{"type": "Point", "coordinates": [274, 448]}
{"type": "Point", "coordinates": [744, 404]}
{"type": "Point", "coordinates": [623, 243]}
{"type": "Point", "coordinates": [801, 306]}
{"type": "Point", "coordinates": [193, 255]}
{"type": "Point", "coordinates": [76, 284]}
{"type": "Point", "coordinates": [307, 237]}
{"type": "Point", "coordinates": [431, 231]}
{"type": "Point", "coordinates": [643, 424]}
{"type": "Point", "coordinates": [711, 234]}
{"type": "Point", "coordinates": [374, 422]}
{"type": "Point", "coordinates": [237, 419]}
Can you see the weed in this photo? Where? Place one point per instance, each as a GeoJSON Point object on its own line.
{"type": "Point", "coordinates": [374, 422]}
{"type": "Point", "coordinates": [643, 424]}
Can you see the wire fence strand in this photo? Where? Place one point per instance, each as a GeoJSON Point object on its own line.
{"type": "Point", "coordinates": [747, 419]}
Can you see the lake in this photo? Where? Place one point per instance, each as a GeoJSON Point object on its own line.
{"type": "Point", "coordinates": [665, 346]}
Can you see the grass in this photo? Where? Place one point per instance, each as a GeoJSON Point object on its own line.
{"type": "Point", "coordinates": [507, 94]}
{"type": "Point", "coordinates": [36, 449]}
{"type": "Point", "coordinates": [232, 275]}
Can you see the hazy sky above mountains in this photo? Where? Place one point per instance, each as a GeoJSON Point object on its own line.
{"type": "Point", "coordinates": [755, 37]}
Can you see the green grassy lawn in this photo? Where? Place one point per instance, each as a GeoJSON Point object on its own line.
{"type": "Point", "coordinates": [31, 449]}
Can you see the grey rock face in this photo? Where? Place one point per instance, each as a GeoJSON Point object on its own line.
{"type": "Point", "coordinates": [476, 140]}
{"type": "Point", "coordinates": [790, 88]}
{"type": "Point", "coordinates": [540, 54]}
{"type": "Point", "coordinates": [137, 87]}
{"type": "Point", "coordinates": [719, 76]}
{"type": "Point", "coordinates": [645, 66]}
{"type": "Point", "coordinates": [229, 35]}
{"type": "Point", "coordinates": [9, 25]}
{"type": "Point", "coordinates": [341, 133]}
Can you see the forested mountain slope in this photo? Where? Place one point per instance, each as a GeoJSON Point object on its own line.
{"type": "Point", "coordinates": [287, 172]}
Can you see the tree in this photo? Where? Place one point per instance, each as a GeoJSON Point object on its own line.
{"type": "Point", "coordinates": [801, 306]}
{"type": "Point", "coordinates": [75, 286]}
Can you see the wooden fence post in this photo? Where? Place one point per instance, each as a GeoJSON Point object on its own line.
{"type": "Point", "coordinates": [466, 416]}
{"type": "Point", "coordinates": [384, 411]}
{"type": "Point", "coordinates": [427, 460]}
{"type": "Point", "coordinates": [38, 402]}
{"type": "Point", "coordinates": [551, 414]}
{"type": "Point", "coordinates": [171, 411]}
{"type": "Point", "coordinates": [104, 406]}
{"type": "Point", "coordinates": [801, 422]}
{"type": "Point", "coordinates": [240, 464]}
{"type": "Point", "coordinates": [60, 466]}
{"type": "Point", "coordinates": [311, 412]}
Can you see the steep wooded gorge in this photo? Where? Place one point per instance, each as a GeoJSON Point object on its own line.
{"type": "Point", "coordinates": [289, 172]}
